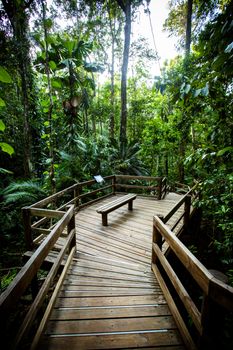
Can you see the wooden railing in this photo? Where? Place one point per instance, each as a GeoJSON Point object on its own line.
{"type": "Point", "coordinates": [216, 294]}
{"type": "Point", "coordinates": [80, 195]}
{"type": "Point", "coordinates": [156, 187]}
{"type": "Point", "coordinates": [187, 202]}
{"type": "Point", "coordinates": [27, 277]}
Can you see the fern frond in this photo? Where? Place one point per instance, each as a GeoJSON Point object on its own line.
{"type": "Point", "coordinates": [20, 197]}
{"type": "Point", "coordinates": [26, 186]}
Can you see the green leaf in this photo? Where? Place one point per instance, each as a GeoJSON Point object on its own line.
{"type": "Point", "coordinates": [4, 76]}
{"type": "Point", "coordinates": [2, 125]}
{"type": "Point", "coordinates": [187, 88]}
{"type": "Point", "coordinates": [6, 148]}
{"type": "Point", "coordinates": [197, 92]}
{"type": "Point", "coordinates": [205, 90]}
{"type": "Point", "coordinates": [224, 150]}
{"type": "Point", "coordinates": [56, 83]}
{"type": "Point", "coordinates": [52, 65]}
{"type": "Point", "coordinates": [5, 171]}
{"type": "Point", "coordinates": [2, 102]}
{"type": "Point", "coordinates": [229, 48]}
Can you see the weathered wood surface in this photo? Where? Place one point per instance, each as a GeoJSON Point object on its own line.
{"type": "Point", "coordinates": [115, 204]}
{"type": "Point", "coordinates": [110, 298]}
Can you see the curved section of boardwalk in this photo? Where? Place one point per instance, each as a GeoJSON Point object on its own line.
{"type": "Point", "coordinates": [110, 299]}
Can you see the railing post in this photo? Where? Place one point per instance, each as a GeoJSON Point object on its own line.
{"type": "Point", "coordinates": [156, 238]}
{"type": "Point", "coordinates": [27, 227]}
{"type": "Point", "coordinates": [164, 183]}
{"type": "Point", "coordinates": [70, 227]}
{"type": "Point", "coordinates": [160, 188]}
{"type": "Point", "coordinates": [114, 185]}
{"type": "Point", "coordinates": [210, 325]}
{"type": "Point", "coordinates": [76, 197]}
{"type": "Point", "coordinates": [187, 209]}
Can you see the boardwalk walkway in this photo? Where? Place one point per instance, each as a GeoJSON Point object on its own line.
{"type": "Point", "coordinates": [110, 299]}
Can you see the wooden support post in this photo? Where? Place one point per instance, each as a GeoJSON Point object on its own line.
{"type": "Point", "coordinates": [212, 318]}
{"type": "Point", "coordinates": [211, 325]}
{"type": "Point", "coordinates": [164, 183]}
{"type": "Point", "coordinates": [70, 227]}
{"type": "Point", "coordinates": [114, 185]}
{"type": "Point", "coordinates": [76, 196]}
{"type": "Point", "coordinates": [130, 205]}
{"type": "Point", "coordinates": [156, 238]}
{"type": "Point", "coordinates": [34, 286]}
{"type": "Point", "coordinates": [104, 219]}
{"type": "Point", "coordinates": [160, 188]}
{"type": "Point", "coordinates": [187, 209]}
{"type": "Point", "coordinates": [27, 228]}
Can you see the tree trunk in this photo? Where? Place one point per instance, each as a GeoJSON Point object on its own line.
{"type": "Point", "coordinates": [16, 12]}
{"type": "Point", "coordinates": [186, 122]}
{"type": "Point", "coordinates": [123, 123]}
{"type": "Point", "coordinates": [112, 113]}
{"type": "Point", "coordinates": [188, 38]}
{"type": "Point", "coordinates": [51, 141]}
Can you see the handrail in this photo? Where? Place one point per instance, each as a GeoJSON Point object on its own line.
{"type": "Point", "coordinates": [82, 195]}
{"type": "Point", "coordinates": [159, 184]}
{"type": "Point", "coordinates": [28, 274]}
{"type": "Point", "coordinates": [186, 200]}
{"type": "Point", "coordinates": [212, 288]}
{"type": "Point", "coordinates": [37, 209]}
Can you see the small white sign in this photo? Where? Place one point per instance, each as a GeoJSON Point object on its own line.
{"type": "Point", "coordinates": [98, 178]}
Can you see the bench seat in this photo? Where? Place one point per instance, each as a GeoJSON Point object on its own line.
{"type": "Point", "coordinates": [107, 208]}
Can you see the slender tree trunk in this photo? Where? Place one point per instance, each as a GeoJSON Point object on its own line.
{"type": "Point", "coordinates": [188, 37]}
{"type": "Point", "coordinates": [51, 141]}
{"type": "Point", "coordinates": [185, 133]}
{"type": "Point", "coordinates": [112, 113]}
{"type": "Point", "coordinates": [123, 124]}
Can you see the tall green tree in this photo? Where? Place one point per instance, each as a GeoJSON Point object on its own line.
{"type": "Point", "coordinates": [18, 16]}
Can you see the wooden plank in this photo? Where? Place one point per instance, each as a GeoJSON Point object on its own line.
{"type": "Point", "coordinates": [148, 188]}
{"type": "Point", "coordinates": [110, 325]}
{"type": "Point", "coordinates": [109, 312]}
{"type": "Point", "coordinates": [106, 208]}
{"type": "Point", "coordinates": [110, 301]}
{"type": "Point", "coordinates": [134, 177]}
{"type": "Point", "coordinates": [109, 281]}
{"type": "Point", "coordinates": [107, 275]}
{"type": "Point", "coordinates": [107, 293]}
{"type": "Point", "coordinates": [113, 262]}
{"type": "Point", "coordinates": [102, 246]}
{"type": "Point", "coordinates": [47, 213]}
{"type": "Point", "coordinates": [94, 192]}
{"type": "Point", "coordinates": [112, 341]}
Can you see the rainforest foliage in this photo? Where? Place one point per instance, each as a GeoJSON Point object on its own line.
{"type": "Point", "coordinates": [77, 99]}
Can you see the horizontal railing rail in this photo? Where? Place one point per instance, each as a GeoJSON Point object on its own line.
{"type": "Point", "coordinates": [155, 185]}
{"type": "Point", "coordinates": [38, 218]}
{"type": "Point", "coordinates": [185, 207]}
{"type": "Point", "coordinates": [214, 291]}
{"type": "Point", "coordinates": [27, 276]}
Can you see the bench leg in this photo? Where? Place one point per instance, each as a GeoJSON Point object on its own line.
{"type": "Point", "coordinates": [130, 205]}
{"type": "Point", "coordinates": [105, 219]}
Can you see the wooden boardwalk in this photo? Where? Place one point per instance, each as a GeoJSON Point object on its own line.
{"type": "Point", "coordinates": [110, 299]}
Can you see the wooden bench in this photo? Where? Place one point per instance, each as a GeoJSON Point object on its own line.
{"type": "Point", "coordinates": [107, 208]}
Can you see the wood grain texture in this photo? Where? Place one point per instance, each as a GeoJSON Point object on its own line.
{"type": "Point", "coordinates": [110, 298]}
